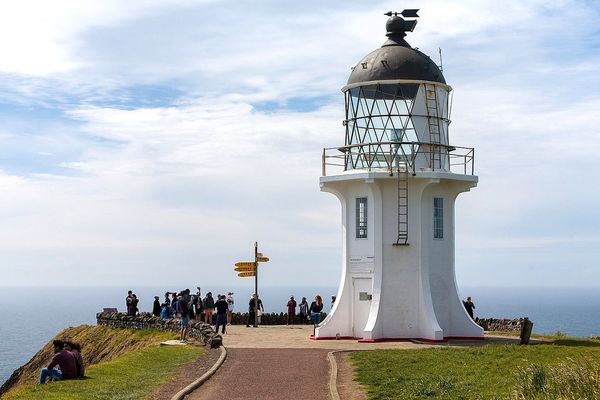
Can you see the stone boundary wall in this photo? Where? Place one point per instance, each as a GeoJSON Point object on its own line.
{"type": "Point", "coordinates": [204, 332]}
{"type": "Point", "coordinates": [197, 330]}
{"type": "Point", "coordinates": [269, 319]}
{"type": "Point", "coordinates": [504, 325]}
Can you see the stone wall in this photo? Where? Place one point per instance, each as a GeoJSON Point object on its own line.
{"type": "Point", "coordinates": [269, 319]}
{"type": "Point", "coordinates": [504, 325]}
{"type": "Point", "coordinates": [197, 330]}
{"type": "Point", "coordinates": [204, 332]}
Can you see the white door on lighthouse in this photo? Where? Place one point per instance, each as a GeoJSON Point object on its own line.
{"type": "Point", "coordinates": [361, 304]}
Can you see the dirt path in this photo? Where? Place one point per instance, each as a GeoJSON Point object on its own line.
{"type": "Point", "coordinates": [269, 374]}
{"type": "Point", "coordinates": [347, 387]}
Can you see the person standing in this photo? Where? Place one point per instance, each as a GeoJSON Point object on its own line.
{"type": "Point", "coordinates": [198, 305]}
{"type": "Point", "coordinates": [254, 314]}
{"type": "Point", "coordinates": [174, 308]}
{"type": "Point", "coordinates": [230, 304]}
{"type": "Point", "coordinates": [221, 306]}
{"type": "Point", "coordinates": [184, 315]}
{"type": "Point", "coordinates": [134, 305]}
{"type": "Point", "coordinates": [315, 310]}
{"type": "Point", "coordinates": [156, 309]}
{"type": "Point", "coordinates": [303, 310]}
{"type": "Point", "coordinates": [251, 320]}
{"type": "Point", "coordinates": [291, 310]}
{"type": "Point", "coordinates": [62, 358]}
{"type": "Point", "coordinates": [259, 312]}
{"type": "Point", "coordinates": [128, 301]}
{"type": "Point", "coordinates": [209, 307]}
{"type": "Point", "coordinates": [469, 306]}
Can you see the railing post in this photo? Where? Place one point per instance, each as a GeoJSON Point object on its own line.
{"type": "Point", "coordinates": [323, 169]}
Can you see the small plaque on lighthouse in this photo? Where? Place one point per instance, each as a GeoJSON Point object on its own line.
{"type": "Point", "coordinates": [362, 264]}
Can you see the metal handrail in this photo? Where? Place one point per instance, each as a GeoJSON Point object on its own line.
{"type": "Point", "coordinates": [394, 156]}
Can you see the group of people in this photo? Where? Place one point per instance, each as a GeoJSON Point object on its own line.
{"type": "Point", "coordinates": [187, 306]}
{"type": "Point", "coordinates": [199, 308]}
{"type": "Point", "coordinates": [306, 312]}
{"type": "Point", "coordinates": [132, 304]}
{"type": "Point", "coordinates": [66, 363]}
{"type": "Point", "coordinates": [219, 311]}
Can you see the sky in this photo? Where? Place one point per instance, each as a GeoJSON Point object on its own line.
{"type": "Point", "coordinates": [153, 142]}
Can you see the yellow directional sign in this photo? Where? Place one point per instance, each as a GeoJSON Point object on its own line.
{"type": "Point", "coordinates": [244, 264]}
{"type": "Point", "coordinates": [245, 269]}
{"type": "Point", "coordinates": [262, 259]}
{"type": "Point", "coordinates": [246, 274]}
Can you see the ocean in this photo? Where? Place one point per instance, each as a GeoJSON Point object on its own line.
{"type": "Point", "coordinates": [29, 317]}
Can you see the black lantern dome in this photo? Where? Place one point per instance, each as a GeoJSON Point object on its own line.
{"type": "Point", "coordinates": [396, 59]}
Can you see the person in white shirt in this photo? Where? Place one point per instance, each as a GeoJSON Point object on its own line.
{"type": "Point", "coordinates": [230, 303]}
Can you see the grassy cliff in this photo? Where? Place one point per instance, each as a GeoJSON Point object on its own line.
{"type": "Point", "coordinates": [112, 357]}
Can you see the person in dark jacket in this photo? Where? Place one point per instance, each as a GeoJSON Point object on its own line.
{"type": "Point", "coordinates": [221, 306]}
{"type": "Point", "coordinates": [156, 309]}
{"type": "Point", "coordinates": [469, 306]}
{"type": "Point", "coordinates": [62, 358]}
{"type": "Point", "coordinates": [315, 309]}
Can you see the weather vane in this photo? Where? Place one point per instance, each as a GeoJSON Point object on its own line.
{"type": "Point", "coordinates": [399, 23]}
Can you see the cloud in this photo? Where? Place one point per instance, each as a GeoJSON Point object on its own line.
{"type": "Point", "coordinates": [142, 135]}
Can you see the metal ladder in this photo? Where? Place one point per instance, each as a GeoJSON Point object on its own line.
{"type": "Point", "coordinates": [433, 122]}
{"type": "Point", "coordinates": [402, 173]}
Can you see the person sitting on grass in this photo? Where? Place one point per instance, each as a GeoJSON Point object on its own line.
{"type": "Point", "coordinates": [62, 358]}
{"type": "Point", "coordinates": [75, 349]}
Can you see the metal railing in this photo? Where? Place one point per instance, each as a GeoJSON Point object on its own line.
{"type": "Point", "coordinates": [399, 156]}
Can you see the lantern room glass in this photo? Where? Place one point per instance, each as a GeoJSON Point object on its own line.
{"type": "Point", "coordinates": [397, 124]}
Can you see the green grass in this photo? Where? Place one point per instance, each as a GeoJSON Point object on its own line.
{"type": "Point", "coordinates": [487, 372]}
{"type": "Point", "coordinates": [100, 344]}
{"type": "Point", "coordinates": [131, 376]}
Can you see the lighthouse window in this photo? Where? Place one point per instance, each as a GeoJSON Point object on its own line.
{"type": "Point", "coordinates": [438, 218]}
{"type": "Point", "coordinates": [361, 217]}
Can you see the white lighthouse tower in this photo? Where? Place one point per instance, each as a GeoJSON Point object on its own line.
{"type": "Point", "coordinates": [397, 178]}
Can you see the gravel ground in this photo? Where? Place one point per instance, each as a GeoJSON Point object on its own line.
{"type": "Point", "coordinates": [269, 374]}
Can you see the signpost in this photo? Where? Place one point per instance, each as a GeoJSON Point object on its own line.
{"type": "Point", "coordinates": [248, 269]}
{"type": "Point", "coordinates": [245, 269]}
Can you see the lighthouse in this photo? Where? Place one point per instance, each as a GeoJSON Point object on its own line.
{"type": "Point", "coordinates": [397, 177]}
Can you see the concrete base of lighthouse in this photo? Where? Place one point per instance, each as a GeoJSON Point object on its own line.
{"type": "Point", "coordinates": [398, 292]}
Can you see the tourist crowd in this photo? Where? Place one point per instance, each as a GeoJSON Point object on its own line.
{"type": "Point", "coordinates": [217, 310]}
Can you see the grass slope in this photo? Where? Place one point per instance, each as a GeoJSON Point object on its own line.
{"type": "Point", "coordinates": [131, 376]}
{"type": "Point", "coordinates": [487, 372]}
{"type": "Point", "coordinates": [99, 343]}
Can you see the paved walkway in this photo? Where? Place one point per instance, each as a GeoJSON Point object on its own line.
{"type": "Point", "coordinates": [282, 362]}
{"type": "Point", "coordinates": [297, 337]}
{"type": "Point", "coordinates": [269, 374]}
